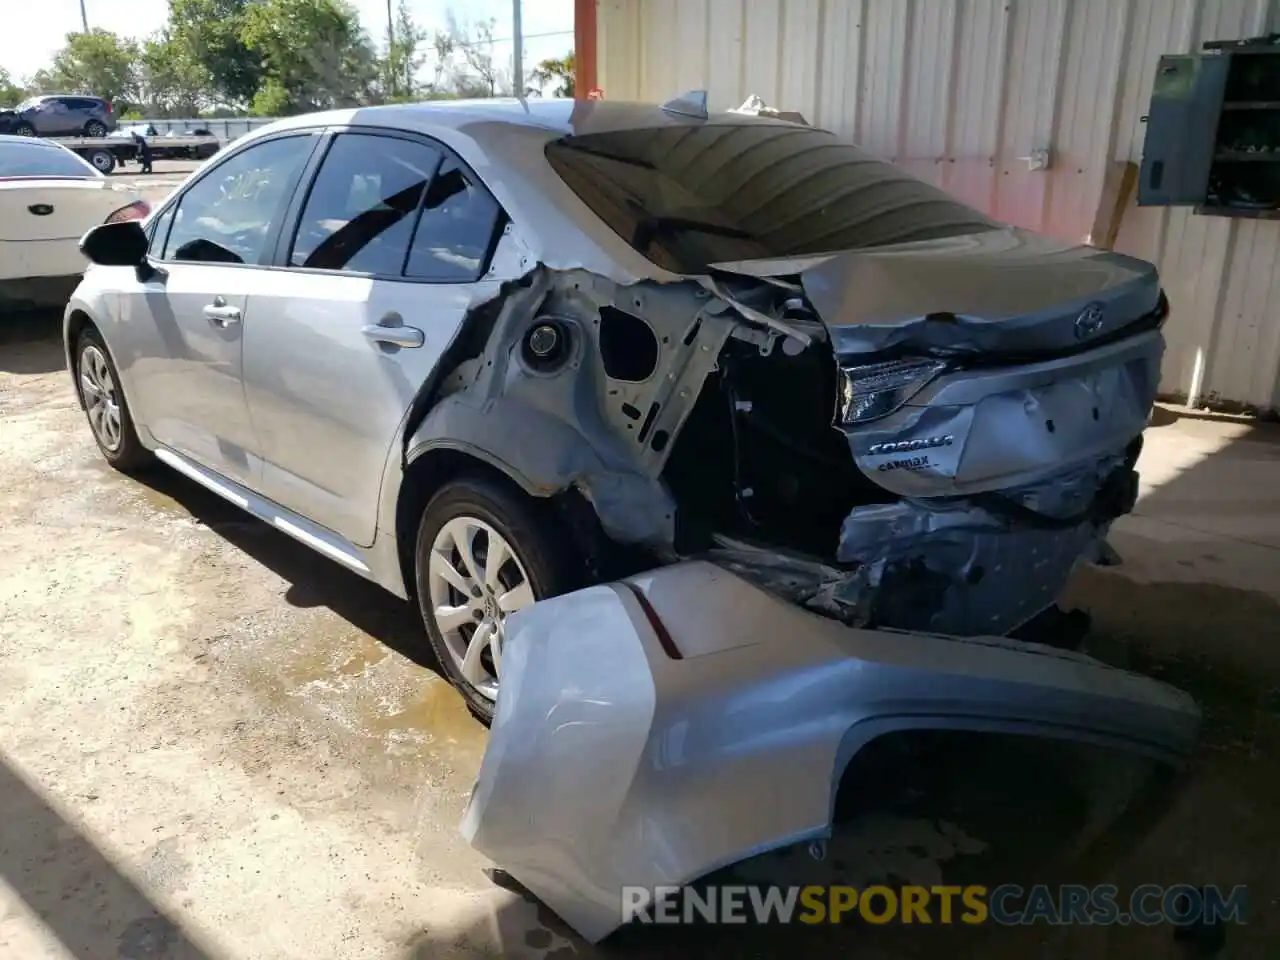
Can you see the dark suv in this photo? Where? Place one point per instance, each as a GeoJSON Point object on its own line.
{"type": "Point", "coordinates": [59, 115]}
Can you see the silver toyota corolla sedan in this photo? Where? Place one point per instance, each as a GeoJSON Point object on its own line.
{"type": "Point", "coordinates": [483, 353]}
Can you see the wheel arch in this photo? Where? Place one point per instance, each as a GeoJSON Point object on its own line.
{"type": "Point", "coordinates": [433, 466]}
{"type": "Point", "coordinates": [79, 318]}
{"type": "Point", "coordinates": [77, 321]}
{"type": "Point", "coordinates": [424, 475]}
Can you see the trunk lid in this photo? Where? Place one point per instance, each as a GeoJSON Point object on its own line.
{"type": "Point", "coordinates": [55, 209]}
{"type": "Point", "coordinates": [1004, 291]}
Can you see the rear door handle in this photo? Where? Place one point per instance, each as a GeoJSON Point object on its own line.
{"type": "Point", "coordinates": [222, 313]}
{"type": "Point", "coordinates": [394, 334]}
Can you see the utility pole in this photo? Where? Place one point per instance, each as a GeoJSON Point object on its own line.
{"type": "Point", "coordinates": [84, 17]}
{"type": "Point", "coordinates": [391, 46]}
{"type": "Point", "coordinates": [517, 56]}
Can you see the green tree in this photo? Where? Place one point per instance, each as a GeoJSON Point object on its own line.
{"type": "Point", "coordinates": [315, 55]}
{"type": "Point", "coordinates": [209, 33]}
{"type": "Point", "coordinates": [11, 94]}
{"type": "Point", "coordinates": [478, 75]}
{"type": "Point", "coordinates": [98, 63]}
{"type": "Point", "coordinates": [405, 57]}
{"type": "Point", "coordinates": [557, 72]}
{"type": "Point", "coordinates": [443, 46]}
{"type": "Point", "coordinates": [172, 80]}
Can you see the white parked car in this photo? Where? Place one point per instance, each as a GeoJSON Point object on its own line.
{"type": "Point", "coordinates": [49, 197]}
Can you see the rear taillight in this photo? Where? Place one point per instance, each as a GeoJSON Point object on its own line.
{"type": "Point", "coordinates": [137, 210]}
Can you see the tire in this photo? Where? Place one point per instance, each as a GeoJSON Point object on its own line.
{"type": "Point", "coordinates": [548, 567]}
{"type": "Point", "coordinates": [24, 130]}
{"type": "Point", "coordinates": [95, 128]}
{"type": "Point", "coordinates": [104, 161]}
{"type": "Point", "coordinates": [96, 374]}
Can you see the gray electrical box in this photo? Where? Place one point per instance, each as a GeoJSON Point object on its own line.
{"type": "Point", "coordinates": [1213, 131]}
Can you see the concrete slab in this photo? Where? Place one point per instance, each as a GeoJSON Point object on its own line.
{"type": "Point", "coordinates": [216, 744]}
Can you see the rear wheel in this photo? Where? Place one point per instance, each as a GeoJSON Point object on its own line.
{"type": "Point", "coordinates": [98, 384]}
{"type": "Point", "coordinates": [484, 551]}
{"type": "Point", "coordinates": [95, 128]}
{"type": "Point", "coordinates": [24, 130]}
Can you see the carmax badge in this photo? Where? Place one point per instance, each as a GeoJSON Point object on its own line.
{"type": "Point", "coordinates": [904, 446]}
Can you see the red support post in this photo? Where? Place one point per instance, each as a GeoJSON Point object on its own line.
{"type": "Point", "coordinates": [584, 48]}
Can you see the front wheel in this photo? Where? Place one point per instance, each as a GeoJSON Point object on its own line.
{"type": "Point", "coordinates": [98, 384]}
{"type": "Point", "coordinates": [484, 551]}
{"type": "Point", "coordinates": [24, 130]}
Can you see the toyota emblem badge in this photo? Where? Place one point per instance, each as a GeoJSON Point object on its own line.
{"type": "Point", "coordinates": [1089, 322]}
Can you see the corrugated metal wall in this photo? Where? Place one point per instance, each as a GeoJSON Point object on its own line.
{"type": "Point", "coordinates": [959, 91]}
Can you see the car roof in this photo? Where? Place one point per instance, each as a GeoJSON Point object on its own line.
{"type": "Point", "coordinates": [504, 141]}
{"type": "Point", "coordinates": [555, 116]}
{"type": "Point", "coordinates": [33, 142]}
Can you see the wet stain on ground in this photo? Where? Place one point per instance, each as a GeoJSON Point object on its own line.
{"type": "Point", "coordinates": [321, 686]}
{"type": "Point", "coordinates": [1208, 620]}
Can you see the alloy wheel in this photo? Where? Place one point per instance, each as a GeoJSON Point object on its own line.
{"type": "Point", "coordinates": [101, 401]}
{"type": "Point", "coordinates": [475, 581]}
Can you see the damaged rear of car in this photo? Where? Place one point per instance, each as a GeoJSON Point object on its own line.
{"type": "Point", "coordinates": [846, 431]}
{"type": "Point", "coordinates": [829, 377]}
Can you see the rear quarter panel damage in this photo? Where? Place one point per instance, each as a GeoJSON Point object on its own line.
{"type": "Point", "coordinates": [577, 423]}
{"type": "Point", "coordinates": [613, 763]}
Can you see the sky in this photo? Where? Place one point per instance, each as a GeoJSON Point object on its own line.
{"type": "Point", "coordinates": [35, 29]}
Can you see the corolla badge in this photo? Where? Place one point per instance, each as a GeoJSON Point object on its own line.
{"type": "Point", "coordinates": [905, 446]}
{"type": "Point", "coordinates": [41, 209]}
{"type": "Point", "coordinates": [1089, 322]}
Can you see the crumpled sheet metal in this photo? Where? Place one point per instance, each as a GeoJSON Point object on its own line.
{"type": "Point", "coordinates": [611, 763]}
{"type": "Point", "coordinates": [550, 430]}
{"type": "Point", "coordinates": [1000, 290]}
{"type": "Point", "coordinates": [1022, 425]}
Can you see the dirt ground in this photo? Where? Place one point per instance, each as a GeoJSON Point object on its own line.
{"type": "Point", "coordinates": [217, 744]}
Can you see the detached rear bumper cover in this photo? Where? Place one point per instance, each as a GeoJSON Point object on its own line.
{"type": "Point", "coordinates": [622, 753]}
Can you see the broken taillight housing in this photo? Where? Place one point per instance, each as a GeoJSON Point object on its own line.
{"type": "Point", "coordinates": [137, 210]}
{"type": "Point", "coordinates": [877, 389]}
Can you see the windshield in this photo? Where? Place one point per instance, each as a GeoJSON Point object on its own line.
{"type": "Point", "coordinates": [33, 158]}
{"type": "Point", "coordinates": [689, 196]}
{"type": "Point", "coordinates": [29, 103]}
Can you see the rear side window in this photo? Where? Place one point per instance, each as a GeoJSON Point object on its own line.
{"type": "Point", "coordinates": [459, 223]}
{"type": "Point", "coordinates": [360, 213]}
{"type": "Point", "coordinates": [38, 159]}
{"type": "Point", "coordinates": [689, 196]}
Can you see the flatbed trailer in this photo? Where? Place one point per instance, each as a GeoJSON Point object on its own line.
{"type": "Point", "coordinates": [106, 153]}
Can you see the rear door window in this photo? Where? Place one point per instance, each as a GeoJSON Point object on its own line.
{"type": "Point", "coordinates": [360, 212]}
{"type": "Point", "coordinates": [460, 221]}
{"type": "Point", "coordinates": [689, 196]}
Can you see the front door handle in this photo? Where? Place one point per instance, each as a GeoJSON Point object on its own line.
{"type": "Point", "coordinates": [394, 334]}
{"type": "Point", "coordinates": [221, 313]}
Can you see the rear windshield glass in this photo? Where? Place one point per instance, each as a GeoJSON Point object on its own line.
{"type": "Point", "coordinates": [35, 159]}
{"type": "Point", "coordinates": [689, 196]}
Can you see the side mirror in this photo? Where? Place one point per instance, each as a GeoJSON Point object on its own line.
{"type": "Point", "coordinates": [120, 244]}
